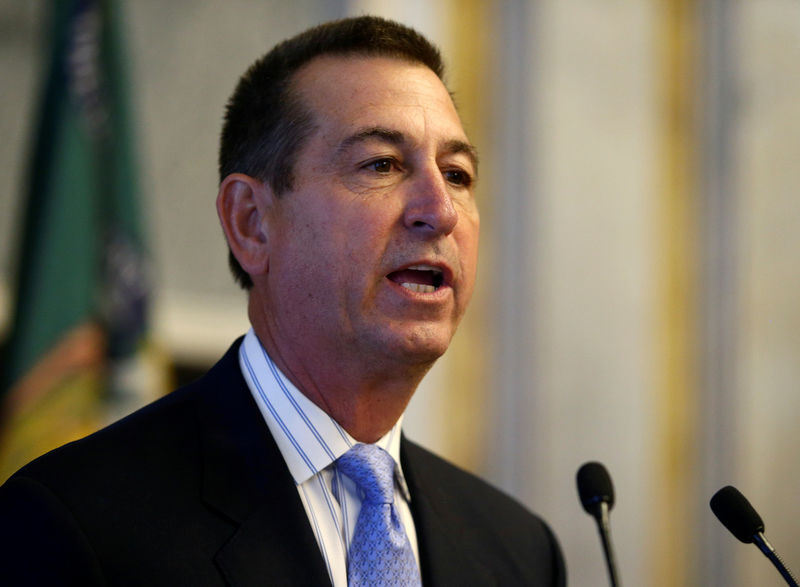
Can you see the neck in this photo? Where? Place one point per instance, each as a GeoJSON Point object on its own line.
{"type": "Point", "coordinates": [366, 397]}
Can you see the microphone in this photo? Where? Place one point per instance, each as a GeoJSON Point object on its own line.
{"type": "Point", "coordinates": [597, 497]}
{"type": "Point", "coordinates": [738, 516]}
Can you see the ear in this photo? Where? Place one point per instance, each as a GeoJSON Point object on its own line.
{"type": "Point", "coordinates": [242, 206]}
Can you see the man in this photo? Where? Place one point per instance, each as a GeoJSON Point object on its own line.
{"type": "Point", "coordinates": [346, 198]}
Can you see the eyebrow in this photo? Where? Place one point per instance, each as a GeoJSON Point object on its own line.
{"type": "Point", "coordinates": [459, 146]}
{"type": "Point", "coordinates": [395, 137]}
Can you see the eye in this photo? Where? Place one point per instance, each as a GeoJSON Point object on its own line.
{"type": "Point", "coordinates": [384, 165]}
{"type": "Point", "coordinates": [458, 177]}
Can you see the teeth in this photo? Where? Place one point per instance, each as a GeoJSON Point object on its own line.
{"type": "Point", "coordinates": [436, 270]}
{"type": "Point", "coordinates": [419, 287]}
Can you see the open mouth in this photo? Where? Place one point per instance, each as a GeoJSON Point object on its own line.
{"type": "Point", "coordinates": [419, 278]}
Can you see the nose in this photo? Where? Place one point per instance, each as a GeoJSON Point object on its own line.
{"type": "Point", "coordinates": [430, 209]}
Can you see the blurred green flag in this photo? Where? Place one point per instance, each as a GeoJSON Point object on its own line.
{"type": "Point", "coordinates": [76, 356]}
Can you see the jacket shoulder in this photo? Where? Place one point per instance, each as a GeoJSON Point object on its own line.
{"type": "Point", "coordinates": [90, 507]}
{"type": "Point", "coordinates": [154, 436]}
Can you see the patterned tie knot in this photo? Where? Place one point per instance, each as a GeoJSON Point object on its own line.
{"type": "Point", "coordinates": [372, 469]}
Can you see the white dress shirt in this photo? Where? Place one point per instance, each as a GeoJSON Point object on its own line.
{"type": "Point", "coordinates": [310, 442]}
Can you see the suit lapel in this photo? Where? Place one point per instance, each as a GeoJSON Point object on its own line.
{"type": "Point", "coordinates": [245, 479]}
{"type": "Point", "coordinates": [444, 560]}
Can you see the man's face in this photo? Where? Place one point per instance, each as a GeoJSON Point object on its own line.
{"type": "Point", "coordinates": [372, 254]}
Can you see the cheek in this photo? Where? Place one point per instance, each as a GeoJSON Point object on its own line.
{"type": "Point", "coordinates": [468, 233]}
{"type": "Point", "coordinates": [368, 228]}
{"type": "Point", "coordinates": [467, 239]}
{"type": "Point", "coordinates": [300, 256]}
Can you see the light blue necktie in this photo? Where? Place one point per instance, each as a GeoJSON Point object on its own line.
{"type": "Point", "coordinates": [380, 553]}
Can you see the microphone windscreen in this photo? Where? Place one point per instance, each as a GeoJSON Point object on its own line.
{"type": "Point", "coordinates": [594, 486]}
{"type": "Point", "coordinates": [736, 513]}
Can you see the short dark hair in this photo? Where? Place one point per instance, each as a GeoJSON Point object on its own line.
{"type": "Point", "coordinates": [266, 123]}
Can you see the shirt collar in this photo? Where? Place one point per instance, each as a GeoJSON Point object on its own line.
{"type": "Point", "coordinates": [308, 438]}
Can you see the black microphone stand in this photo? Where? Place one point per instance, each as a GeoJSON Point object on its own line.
{"type": "Point", "coordinates": [604, 528]}
{"type": "Point", "coordinates": [770, 553]}
{"type": "Point", "coordinates": [596, 492]}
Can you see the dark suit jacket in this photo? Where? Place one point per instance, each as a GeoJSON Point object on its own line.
{"type": "Point", "coordinates": [192, 490]}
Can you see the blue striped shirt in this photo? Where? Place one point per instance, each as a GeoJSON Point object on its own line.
{"type": "Point", "coordinates": [310, 442]}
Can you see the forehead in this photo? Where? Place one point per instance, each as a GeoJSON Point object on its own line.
{"type": "Point", "coordinates": [350, 92]}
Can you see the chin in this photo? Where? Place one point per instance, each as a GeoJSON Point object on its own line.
{"type": "Point", "coordinates": [422, 346]}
